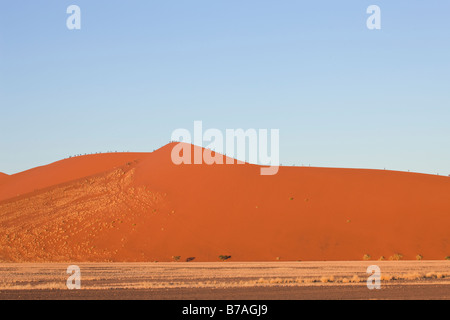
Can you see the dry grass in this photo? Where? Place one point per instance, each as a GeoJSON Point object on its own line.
{"type": "Point", "coordinates": [396, 257]}
{"type": "Point", "coordinates": [367, 257]}
{"type": "Point", "coordinates": [217, 275]}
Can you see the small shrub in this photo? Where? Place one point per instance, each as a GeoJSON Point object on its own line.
{"type": "Point", "coordinates": [326, 279]}
{"type": "Point", "coordinates": [396, 257]}
{"type": "Point", "coordinates": [277, 280]}
{"type": "Point", "coordinates": [387, 277]}
{"type": "Point", "coordinates": [413, 276]}
{"type": "Point", "coordinates": [437, 275]}
{"type": "Point", "coordinates": [190, 259]}
{"type": "Point", "coordinates": [382, 258]}
{"type": "Point", "coordinates": [224, 257]}
{"type": "Point", "coordinates": [367, 257]}
{"type": "Point", "coordinates": [261, 280]}
{"type": "Point", "coordinates": [419, 257]}
{"type": "Point", "coordinates": [447, 258]}
{"type": "Point", "coordinates": [176, 258]}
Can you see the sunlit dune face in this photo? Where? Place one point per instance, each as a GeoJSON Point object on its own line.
{"type": "Point", "coordinates": [142, 207]}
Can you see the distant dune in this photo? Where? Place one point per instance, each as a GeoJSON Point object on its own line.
{"type": "Point", "coordinates": [141, 207]}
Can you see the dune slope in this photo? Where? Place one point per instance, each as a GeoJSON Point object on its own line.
{"type": "Point", "coordinates": [63, 171]}
{"type": "Point", "coordinates": [142, 207]}
{"type": "Point", "coordinates": [3, 177]}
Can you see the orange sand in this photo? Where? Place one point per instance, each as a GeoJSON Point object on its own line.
{"type": "Point", "coordinates": [141, 207]}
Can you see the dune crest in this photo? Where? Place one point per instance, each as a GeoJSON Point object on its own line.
{"type": "Point", "coordinates": [142, 207]}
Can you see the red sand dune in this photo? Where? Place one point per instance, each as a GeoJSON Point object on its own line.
{"type": "Point", "coordinates": [3, 177]}
{"type": "Point", "coordinates": [63, 171]}
{"type": "Point", "coordinates": [141, 207]}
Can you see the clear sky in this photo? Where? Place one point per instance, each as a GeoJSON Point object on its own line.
{"type": "Point", "coordinates": [341, 95]}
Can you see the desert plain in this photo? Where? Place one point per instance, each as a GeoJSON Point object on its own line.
{"type": "Point", "coordinates": [228, 280]}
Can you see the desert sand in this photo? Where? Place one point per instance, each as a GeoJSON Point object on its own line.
{"type": "Point", "coordinates": [3, 177]}
{"type": "Point", "coordinates": [140, 207]}
{"type": "Point", "coordinates": [228, 280]}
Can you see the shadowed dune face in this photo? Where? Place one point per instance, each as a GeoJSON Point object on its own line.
{"type": "Point", "coordinates": [142, 207]}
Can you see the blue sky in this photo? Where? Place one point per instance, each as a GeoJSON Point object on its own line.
{"type": "Point", "coordinates": [341, 95]}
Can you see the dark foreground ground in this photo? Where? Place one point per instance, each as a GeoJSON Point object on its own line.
{"type": "Point", "coordinates": [392, 292]}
